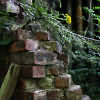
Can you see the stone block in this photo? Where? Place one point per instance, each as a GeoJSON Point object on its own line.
{"type": "Point", "coordinates": [22, 45]}
{"type": "Point", "coordinates": [33, 71]}
{"type": "Point", "coordinates": [85, 97]}
{"type": "Point", "coordinates": [55, 94]}
{"type": "Point", "coordinates": [51, 46]}
{"type": "Point", "coordinates": [44, 36]}
{"type": "Point", "coordinates": [22, 58]}
{"type": "Point", "coordinates": [42, 57]}
{"type": "Point", "coordinates": [74, 93]}
{"type": "Point", "coordinates": [63, 81]}
{"type": "Point", "coordinates": [27, 83]}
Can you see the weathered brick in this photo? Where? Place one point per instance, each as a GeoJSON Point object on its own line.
{"type": "Point", "coordinates": [46, 83]}
{"type": "Point", "coordinates": [34, 26]}
{"type": "Point", "coordinates": [55, 94]}
{"type": "Point", "coordinates": [51, 46]}
{"type": "Point", "coordinates": [74, 92]}
{"type": "Point", "coordinates": [40, 95]}
{"type": "Point", "coordinates": [22, 45]}
{"type": "Point", "coordinates": [27, 83]}
{"type": "Point", "coordinates": [3, 1]}
{"type": "Point", "coordinates": [31, 45]}
{"type": "Point", "coordinates": [42, 36]}
{"type": "Point", "coordinates": [32, 95]}
{"type": "Point", "coordinates": [22, 34]}
{"type": "Point", "coordinates": [63, 81]}
{"type": "Point", "coordinates": [33, 71]}
{"type": "Point", "coordinates": [17, 46]}
{"type": "Point", "coordinates": [43, 57]}
{"type": "Point", "coordinates": [54, 71]}
{"type": "Point", "coordinates": [85, 97]}
{"type": "Point", "coordinates": [22, 58]}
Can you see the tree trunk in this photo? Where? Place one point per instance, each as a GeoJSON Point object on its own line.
{"type": "Point", "coordinates": [79, 21]}
{"type": "Point", "coordinates": [9, 82]}
{"type": "Point", "coordinates": [69, 10]}
{"type": "Point", "coordinates": [91, 27]}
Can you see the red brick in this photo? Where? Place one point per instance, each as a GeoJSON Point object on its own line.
{"type": "Point", "coordinates": [31, 45]}
{"type": "Point", "coordinates": [43, 57]}
{"type": "Point", "coordinates": [51, 46]}
{"type": "Point", "coordinates": [22, 45]}
{"type": "Point", "coordinates": [22, 58]}
{"type": "Point", "coordinates": [33, 71]}
{"type": "Point", "coordinates": [63, 81]}
{"type": "Point", "coordinates": [55, 94]}
{"type": "Point", "coordinates": [42, 36]}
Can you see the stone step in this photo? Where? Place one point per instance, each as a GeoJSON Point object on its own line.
{"type": "Point", "coordinates": [74, 92]}
{"type": "Point", "coordinates": [85, 97]}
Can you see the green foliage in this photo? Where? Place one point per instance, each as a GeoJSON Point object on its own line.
{"type": "Point", "coordinates": [95, 17]}
{"type": "Point", "coordinates": [85, 51]}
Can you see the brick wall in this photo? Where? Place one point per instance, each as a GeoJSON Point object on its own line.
{"type": "Point", "coordinates": [43, 68]}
